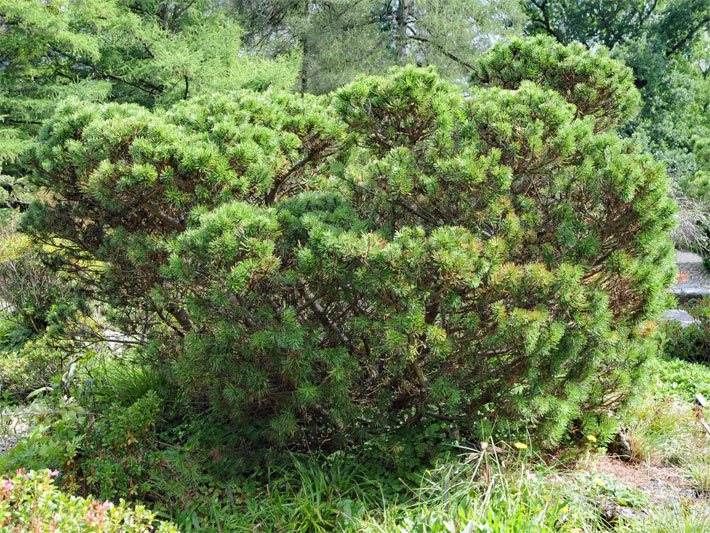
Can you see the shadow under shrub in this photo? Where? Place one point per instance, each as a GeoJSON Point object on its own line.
{"type": "Point", "coordinates": [317, 271]}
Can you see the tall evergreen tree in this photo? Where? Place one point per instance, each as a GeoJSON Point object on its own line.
{"type": "Point", "coordinates": [342, 38]}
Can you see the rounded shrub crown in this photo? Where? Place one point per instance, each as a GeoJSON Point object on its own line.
{"type": "Point", "coordinates": [323, 270]}
{"type": "Point", "coordinates": [595, 84]}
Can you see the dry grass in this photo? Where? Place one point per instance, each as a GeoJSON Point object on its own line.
{"type": "Point", "coordinates": [693, 222]}
{"type": "Point", "coordinates": [665, 432]}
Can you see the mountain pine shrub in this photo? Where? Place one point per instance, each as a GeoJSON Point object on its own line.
{"type": "Point", "coordinates": [315, 271]}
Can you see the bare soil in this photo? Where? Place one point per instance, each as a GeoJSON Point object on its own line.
{"type": "Point", "coordinates": [661, 484]}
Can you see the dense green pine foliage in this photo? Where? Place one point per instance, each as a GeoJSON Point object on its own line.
{"type": "Point", "coordinates": [462, 243]}
{"type": "Point", "coordinates": [592, 82]}
{"type": "Point", "coordinates": [666, 44]}
{"type": "Point", "coordinates": [321, 269]}
{"type": "Point", "coordinates": [148, 52]}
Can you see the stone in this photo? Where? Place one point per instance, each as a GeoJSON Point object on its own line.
{"type": "Point", "coordinates": [694, 279]}
{"type": "Point", "coordinates": [684, 318]}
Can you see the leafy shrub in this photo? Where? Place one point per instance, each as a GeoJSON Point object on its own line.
{"type": "Point", "coordinates": [34, 363]}
{"type": "Point", "coordinates": [698, 185]}
{"type": "Point", "coordinates": [680, 378]}
{"type": "Point", "coordinates": [29, 501]}
{"type": "Point", "coordinates": [28, 289]}
{"type": "Point", "coordinates": [29, 362]}
{"type": "Point", "coordinates": [116, 450]}
{"type": "Point", "coordinates": [109, 454]}
{"type": "Point", "coordinates": [53, 441]}
{"type": "Point", "coordinates": [316, 272]}
{"type": "Point", "coordinates": [35, 305]}
{"type": "Point", "coordinates": [692, 342]}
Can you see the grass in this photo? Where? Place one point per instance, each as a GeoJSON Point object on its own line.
{"type": "Point", "coordinates": [700, 475]}
{"type": "Point", "coordinates": [677, 519]}
{"type": "Point", "coordinates": [498, 488]}
{"type": "Point", "coordinates": [494, 487]}
{"type": "Point", "coordinates": [663, 431]}
{"type": "Point", "coordinates": [486, 491]}
{"type": "Point", "coordinates": [483, 490]}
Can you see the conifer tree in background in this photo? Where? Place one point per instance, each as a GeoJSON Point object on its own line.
{"type": "Point", "coordinates": [317, 270]}
{"type": "Point", "coordinates": [152, 52]}
{"type": "Point", "coordinates": [340, 39]}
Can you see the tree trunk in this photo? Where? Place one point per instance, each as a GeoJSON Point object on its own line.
{"type": "Point", "coordinates": [402, 12]}
{"type": "Point", "coordinates": [304, 46]}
